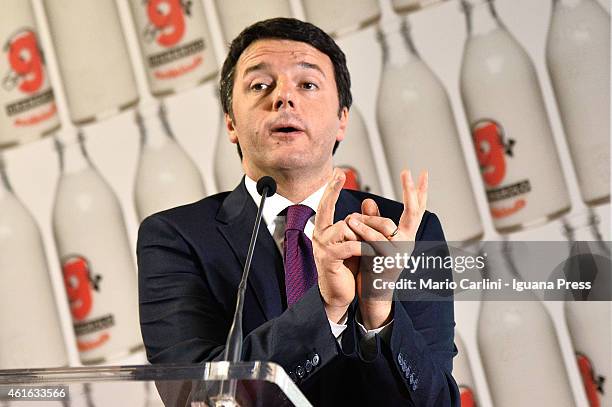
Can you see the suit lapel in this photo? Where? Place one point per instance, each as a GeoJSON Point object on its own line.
{"type": "Point", "coordinates": [237, 218]}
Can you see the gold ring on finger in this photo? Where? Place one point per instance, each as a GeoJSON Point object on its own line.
{"type": "Point", "coordinates": [395, 232]}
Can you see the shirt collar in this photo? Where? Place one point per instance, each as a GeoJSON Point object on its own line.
{"type": "Point", "coordinates": [277, 203]}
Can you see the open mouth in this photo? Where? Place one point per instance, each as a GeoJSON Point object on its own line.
{"type": "Point", "coordinates": [286, 130]}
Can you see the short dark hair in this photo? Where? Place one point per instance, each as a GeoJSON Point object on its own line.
{"type": "Point", "coordinates": [285, 29]}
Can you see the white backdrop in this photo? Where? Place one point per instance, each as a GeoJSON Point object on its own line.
{"type": "Point", "coordinates": [439, 33]}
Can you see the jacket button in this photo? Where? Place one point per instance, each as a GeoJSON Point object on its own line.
{"type": "Point", "coordinates": [414, 387]}
{"type": "Point", "coordinates": [300, 372]}
{"type": "Point", "coordinates": [308, 366]}
{"type": "Point", "coordinates": [315, 359]}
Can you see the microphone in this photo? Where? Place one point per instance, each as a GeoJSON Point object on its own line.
{"type": "Point", "coordinates": [266, 182]}
{"type": "Point", "coordinates": [266, 186]}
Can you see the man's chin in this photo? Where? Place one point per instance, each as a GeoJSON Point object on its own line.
{"type": "Point", "coordinates": [289, 162]}
{"type": "Point", "coordinates": [290, 165]}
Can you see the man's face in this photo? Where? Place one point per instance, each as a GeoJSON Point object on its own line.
{"type": "Point", "coordinates": [285, 106]}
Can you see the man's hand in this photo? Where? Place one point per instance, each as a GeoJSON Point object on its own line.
{"type": "Point", "coordinates": [370, 226]}
{"type": "Point", "coordinates": [336, 252]}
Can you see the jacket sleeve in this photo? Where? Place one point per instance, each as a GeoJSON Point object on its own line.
{"type": "Point", "coordinates": [415, 365]}
{"type": "Point", "coordinates": [181, 322]}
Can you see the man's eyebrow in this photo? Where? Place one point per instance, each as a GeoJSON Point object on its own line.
{"type": "Point", "coordinates": [308, 65]}
{"type": "Point", "coordinates": [262, 66]}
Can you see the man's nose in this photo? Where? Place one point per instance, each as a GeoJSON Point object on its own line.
{"type": "Point", "coordinates": [283, 97]}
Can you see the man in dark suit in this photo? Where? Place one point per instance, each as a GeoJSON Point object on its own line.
{"type": "Point", "coordinates": [285, 91]}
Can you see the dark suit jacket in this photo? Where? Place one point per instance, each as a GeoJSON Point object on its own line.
{"type": "Point", "coordinates": [190, 260]}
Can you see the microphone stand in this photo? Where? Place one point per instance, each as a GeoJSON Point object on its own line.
{"type": "Point", "coordinates": [266, 186]}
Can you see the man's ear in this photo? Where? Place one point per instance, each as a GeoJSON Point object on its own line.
{"type": "Point", "coordinates": [231, 129]}
{"type": "Point", "coordinates": [344, 115]}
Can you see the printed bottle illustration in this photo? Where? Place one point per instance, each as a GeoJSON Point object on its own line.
{"type": "Point", "coordinates": [354, 155]}
{"type": "Point", "coordinates": [27, 103]}
{"type": "Point", "coordinates": [96, 259]}
{"type": "Point", "coordinates": [462, 372]}
{"type": "Point", "coordinates": [340, 17]}
{"type": "Point", "coordinates": [520, 353]}
{"type": "Point", "coordinates": [512, 137]}
{"type": "Point", "coordinates": [418, 131]}
{"type": "Point", "coordinates": [92, 57]}
{"type": "Point", "coordinates": [236, 15]}
{"type": "Point", "coordinates": [407, 6]}
{"type": "Point", "coordinates": [166, 176]}
{"type": "Point", "coordinates": [401, 6]}
{"type": "Point", "coordinates": [578, 58]}
{"type": "Point", "coordinates": [31, 334]}
{"type": "Point", "coordinates": [175, 43]}
{"type": "Point", "coordinates": [590, 262]}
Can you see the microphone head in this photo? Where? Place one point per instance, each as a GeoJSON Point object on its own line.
{"type": "Point", "coordinates": [268, 182]}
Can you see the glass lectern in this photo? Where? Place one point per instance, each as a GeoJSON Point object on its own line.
{"type": "Point", "coordinates": [212, 384]}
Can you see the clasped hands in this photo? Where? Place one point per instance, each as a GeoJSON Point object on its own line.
{"type": "Point", "coordinates": [337, 246]}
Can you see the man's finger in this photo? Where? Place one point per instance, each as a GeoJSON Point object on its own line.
{"type": "Point", "coordinates": [369, 207]}
{"type": "Point", "coordinates": [411, 206]}
{"type": "Point", "coordinates": [327, 206]}
{"type": "Point", "coordinates": [346, 250]}
{"type": "Point", "coordinates": [422, 189]}
{"type": "Point", "coordinates": [413, 202]}
{"type": "Point", "coordinates": [384, 226]}
{"type": "Point", "coordinates": [364, 231]}
{"type": "Point", "coordinates": [338, 232]}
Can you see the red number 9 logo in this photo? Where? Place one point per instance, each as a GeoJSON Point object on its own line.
{"type": "Point", "coordinates": [167, 15]}
{"type": "Point", "coordinates": [26, 61]}
{"type": "Point", "coordinates": [76, 281]}
{"type": "Point", "coordinates": [490, 152]}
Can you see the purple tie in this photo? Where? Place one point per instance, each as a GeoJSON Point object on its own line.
{"type": "Point", "coordinates": [300, 269]}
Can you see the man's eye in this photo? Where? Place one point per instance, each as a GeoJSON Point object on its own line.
{"type": "Point", "coordinates": [309, 86]}
{"type": "Point", "coordinates": [259, 86]}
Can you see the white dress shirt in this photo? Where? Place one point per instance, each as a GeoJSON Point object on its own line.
{"type": "Point", "coordinates": [276, 226]}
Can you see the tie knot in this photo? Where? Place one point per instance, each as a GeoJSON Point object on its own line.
{"type": "Point", "coordinates": [297, 216]}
